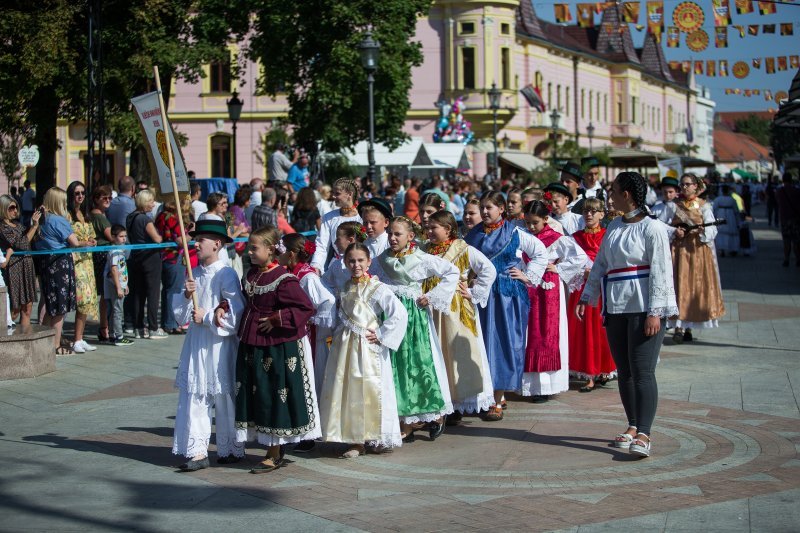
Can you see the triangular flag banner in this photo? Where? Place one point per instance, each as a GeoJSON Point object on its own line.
{"type": "Point", "coordinates": [767, 95]}
{"type": "Point", "coordinates": [728, 91]}
{"type": "Point", "coordinates": [744, 6]}
{"type": "Point", "coordinates": [794, 61]}
{"type": "Point", "coordinates": [562, 13]}
{"type": "Point", "coordinates": [630, 12]}
{"type": "Point", "coordinates": [770, 65]}
{"type": "Point", "coordinates": [737, 91]}
{"type": "Point", "coordinates": [748, 92]}
{"type": "Point", "coordinates": [600, 6]}
{"type": "Point", "coordinates": [768, 28]}
{"type": "Point", "coordinates": [723, 67]}
{"type": "Point", "coordinates": [756, 92]}
{"type": "Point", "coordinates": [787, 28]}
{"type": "Point", "coordinates": [585, 15]}
{"type": "Point", "coordinates": [721, 37]}
{"type": "Point", "coordinates": [757, 62]}
{"type": "Point", "coordinates": [722, 12]}
{"type": "Point", "coordinates": [698, 67]}
{"type": "Point", "coordinates": [740, 29]}
{"type": "Point", "coordinates": [711, 67]}
{"type": "Point", "coordinates": [686, 66]}
{"type": "Point", "coordinates": [782, 63]}
{"type": "Point", "coordinates": [655, 19]}
{"type": "Point", "coordinates": [752, 29]}
{"type": "Point", "coordinates": [673, 37]}
{"type": "Point", "coordinates": [766, 8]}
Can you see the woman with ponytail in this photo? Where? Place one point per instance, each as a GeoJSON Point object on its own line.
{"type": "Point", "coordinates": [633, 269]}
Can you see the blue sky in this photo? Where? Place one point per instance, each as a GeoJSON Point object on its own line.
{"type": "Point", "coordinates": [738, 50]}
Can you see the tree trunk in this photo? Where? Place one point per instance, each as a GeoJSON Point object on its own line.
{"type": "Point", "coordinates": [140, 164]}
{"type": "Point", "coordinates": [44, 116]}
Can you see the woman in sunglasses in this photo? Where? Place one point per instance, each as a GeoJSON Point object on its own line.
{"type": "Point", "coordinates": [101, 200]}
{"type": "Point", "coordinates": [85, 286]}
{"type": "Point", "coordinates": [19, 274]}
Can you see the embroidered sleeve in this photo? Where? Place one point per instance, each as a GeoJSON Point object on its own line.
{"type": "Point", "coordinates": [708, 234]}
{"type": "Point", "coordinates": [661, 292]}
{"type": "Point", "coordinates": [485, 274]}
{"type": "Point", "coordinates": [226, 285]}
{"type": "Point", "coordinates": [321, 298]}
{"type": "Point", "coordinates": [591, 290]}
{"type": "Point", "coordinates": [571, 262]}
{"type": "Point", "coordinates": [393, 329]}
{"type": "Point", "coordinates": [323, 242]}
{"type": "Point", "coordinates": [537, 253]}
{"type": "Point", "coordinates": [441, 296]}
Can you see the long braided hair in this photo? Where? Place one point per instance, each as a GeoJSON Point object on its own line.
{"type": "Point", "coordinates": [635, 184]}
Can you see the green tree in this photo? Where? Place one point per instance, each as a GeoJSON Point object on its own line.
{"type": "Point", "coordinates": [784, 141]}
{"type": "Point", "coordinates": [310, 53]}
{"type": "Point", "coordinates": [9, 162]}
{"type": "Point", "coordinates": [756, 127]}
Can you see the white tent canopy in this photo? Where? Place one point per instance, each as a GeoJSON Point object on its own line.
{"type": "Point", "coordinates": [448, 155]}
{"type": "Point", "coordinates": [409, 154]}
{"type": "Point", "coordinates": [521, 160]}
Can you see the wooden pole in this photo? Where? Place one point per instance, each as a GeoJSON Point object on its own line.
{"type": "Point", "coordinates": [168, 133]}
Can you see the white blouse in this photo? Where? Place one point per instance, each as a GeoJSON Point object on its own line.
{"type": "Point", "coordinates": [336, 275]}
{"type": "Point", "coordinates": [322, 299]}
{"type": "Point", "coordinates": [571, 222]}
{"type": "Point", "coordinates": [633, 269]}
{"type": "Point", "coordinates": [327, 234]}
{"type": "Point", "coordinates": [570, 261]}
{"type": "Point", "coordinates": [377, 245]}
{"type": "Point", "coordinates": [485, 274]}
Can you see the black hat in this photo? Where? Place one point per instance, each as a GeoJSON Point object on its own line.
{"type": "Point", "coordinates": [589, 162]}
{"type": "Point", "coordinates": [211, 227]}
{"type": "Point", "coordinates": [671, 182]}
{"type": "Point", "coordinates": [378, 203]}
{"type": "Point", "coordinates": [573, 171]}
{"type": "Point", "coordinates": [559, 188]}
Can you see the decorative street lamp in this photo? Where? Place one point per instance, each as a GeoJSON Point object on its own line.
{"type": "Point", "coordinates": [555, 116]}
{"type": "Point", "coordinates": [369, 50]}
{"type": "Point", "coordinates": [494, 105]}
{"type": "Point", "coordinates": [234, 113]}
{"type": "Point", "coordinates": [590, 134]}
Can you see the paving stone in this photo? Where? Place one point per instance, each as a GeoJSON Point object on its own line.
{"type": "Point", "coordinates": [693, 490]}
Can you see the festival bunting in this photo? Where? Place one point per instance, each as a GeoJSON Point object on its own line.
{"type": "Point", "coordinates": [630, 12]}
{"type": "Point", "coordinates": [794, 61]}
{"type": "Point", "coordinates": [655, 19]}
{"type": "Point", "coordinates": [721, 37]}
{"type": "Point", "coordinates": [585, 13]}
{"type": "Point", "coordinates": [737, 91]}
{"type": "Point", "coordinates": [722, 12]}
{"type": "Point", "coordinates": [698, 67]}
{"type": "Point", "coordinates": [787, 28]}
{"type": "Point", "coordinates": [728, 91]}
{"type": "Point", "coordinates": [740, 70]}
{"type": "Point", "coordinates": [562, 13]}
{"type": "Point", "coordinates": [740, 29]}
{"type": "Point", "coordinates": [673, 37]}
{"type": "Point", "coordinates": [697, 41]}
{"type": "Point", "coordinates": [780, 96]}
{"type": "Point", "coordinates": [768, 28]}
{"type": "Point", "coordinates": [748, 92]}
{"type": "Point", "coordinates": [744, 6]}
{"type": "Point", "coordinates": [674, 65]}
{"type": "Point", "coordinates": [770, 65]}
{"type": "Point", "coordinates": [767, 95]}
{"type": "Point", "coordinates": [757, 62]}
{"type": "Point", "coordinates": [782, 65]}
{"type": "Point", "coordinates": [688, 17]}
{"type": "Point", "coordinates": [757, 92]}
{"type": "Point", "coordinates": [766, 8]}
{"type": "Point", "coordinates": [752, 29]}
{"type": "Point", "coordinates": [723, 68]}
{"type": "Point", "coordinates": [711, 68]}
{"type": "Point", "coordinates": [686, 66]}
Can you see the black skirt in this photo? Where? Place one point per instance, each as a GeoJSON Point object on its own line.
{"type": "Point", "coordinates": [58, 283]}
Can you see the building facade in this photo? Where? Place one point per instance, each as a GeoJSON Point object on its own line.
{"type": "Point", "coordinates": [592, 76]}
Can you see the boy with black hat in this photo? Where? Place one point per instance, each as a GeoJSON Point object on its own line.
{"type": "Point", "coordinates": [207, 368]}
{"type": "Point", "coordinates": [376, 214]}
{"type": "Point", "coordinates": [559, 197]}
{"type": "Point", "coordinates": [664, 210]}
{"type": "Point", "coordinates": [570, 178]}
{"type": "Point", "coordinates": [591, 178]}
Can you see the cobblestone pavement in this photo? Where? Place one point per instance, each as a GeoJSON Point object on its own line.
{"type": "Point", "coordinates": [89, 447]}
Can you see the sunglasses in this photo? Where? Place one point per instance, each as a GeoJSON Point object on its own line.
{"type": "Point", "coordinates": [105, 198]}
{"type": "Point", "coordinates": [80, 193]}
{"type": "Point", "coordinates": [684, 185]}
{"type": "Point", "coordinates": [12, 208]}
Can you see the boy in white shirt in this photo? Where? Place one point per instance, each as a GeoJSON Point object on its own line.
{"type": "Point", "coordinates": [560, 197]}
{"type": "Point", "coordinates": [376, 214]}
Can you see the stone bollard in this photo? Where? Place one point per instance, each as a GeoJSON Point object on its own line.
{"type": "Point", "coordinates": [25, 352]}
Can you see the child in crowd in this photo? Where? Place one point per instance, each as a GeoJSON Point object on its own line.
{"type": "Point", "coordinates": [429, 204]}
{"type": "Point", "coordinates": [460, 330]}
{"type": "Point", "coordinates": [336, 275]}
{"type": "Point", "coordinates": [345, 194]}
{"type": "Point", "coordinates": [423, 393]}
{"type": "Point", "coordinates": [359, 405]}
{"type": "Point", "coordinates": [547, 350]}
{"type": "Point", "coordinates": [276, 400]}
{"type": "Point", "coordinates": [559, 200]}
{"type": "Point", "coordinates": [376, 214]}
{"type": "Point", "coordinates": [472, 215]}
{"type": "Point", "coordinates": [514, 202]}
{"type": "Point", "coordinates": [205, 376]}
{"type": "Point", "coordinates": [115, 286]}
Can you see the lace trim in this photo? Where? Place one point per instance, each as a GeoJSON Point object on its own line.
{"type": "Point", "coordinates": [533, 278]}
{"type": "Point", "coordinates": [427, 417]}
{"type": "Point", "coordinates": [663, 312]}
{"type": "Point", "coordinates": [480, 295]}
{"type": "Point", "coordinates": [358, 330]}
{"type": "Point", "coordinates": [262, 289]}
{"type": "Point", "coordinates": [482, 403]}
{"type": "Point", "coordinates": [409, 291]}
{"type": "Point", "coordinates": [392, 440]}
{"type": "Point", "coordinates": [324, 319]}
{"type": "Point", "coordinates": [547, 285]}
{"type": "Point", "coordinates": [440, 301]}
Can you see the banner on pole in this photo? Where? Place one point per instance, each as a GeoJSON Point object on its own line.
{"type": "Point", "coordinates": [673, 165]}
{"type": "Point", "coordinates": [148, 112]}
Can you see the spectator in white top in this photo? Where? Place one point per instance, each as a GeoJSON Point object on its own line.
{"type": "Point", "coordinates": [198, 206]}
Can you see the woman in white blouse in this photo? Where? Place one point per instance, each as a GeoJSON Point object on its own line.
{"type": "Point", "coordinates": [634, 271]}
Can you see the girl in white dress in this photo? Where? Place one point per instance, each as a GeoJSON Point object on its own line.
{"type": "Point", "coordinates": [345, 193]}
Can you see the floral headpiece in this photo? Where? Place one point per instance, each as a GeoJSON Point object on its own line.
{"type": "Point", "coordinates": [362, 233]}
{"type": "Point", "coordinates": [280, 247]}
{"type": "Point", "coordinates": [548, 196]}
{"type": "Point", "coordinates": [310, 247]}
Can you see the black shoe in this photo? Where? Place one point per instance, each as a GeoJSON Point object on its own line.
{"type": "Point", "coordinates": [409, 438]}
{"type": "Point", "coordinates": [305, 446]}
{"type": "Point", "coordinates": [454, 419]}
{"type": "Point", "coordinates": [193, 466]}
{"type": "Point", "coordinates": [229, 460]}
{"type": "Point", "coordinates": [540, 399]}
{"type": "Point", "coordinates": [586, 388]}
{"type": "Point", "coordinates": [435, 429]}
{"type": "Point", "coordinates": [687, 336]}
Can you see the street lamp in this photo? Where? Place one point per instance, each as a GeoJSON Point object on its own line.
{"type": "Point", "coordinates": [590, 134]}
{"type": "Point", "coordinates": [494, 105]}
{"type": "Point", "coordinates": [234, 113]}
{"type": "Point", "coordinates": [555, 116]}
{"type": "Point", "coordinates": [369, 50]}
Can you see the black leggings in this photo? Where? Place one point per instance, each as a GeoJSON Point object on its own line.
{"type": "Point", "coordinates": [636, 356]}
{"type": "Point", "coordinates": [144, 276]}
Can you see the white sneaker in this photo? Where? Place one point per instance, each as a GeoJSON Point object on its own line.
{"type": "Point", "coordinates": [159, 334]}
{"type": "Point", "coordinates": [128, 331]}
{"type": "Point", "coordinates": [77, 347]}
{"type": "Point", "coordinates": [88, 347]}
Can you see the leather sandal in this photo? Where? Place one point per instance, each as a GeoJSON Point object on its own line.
{"type": "Point", "coordinates": [494, 414]}
{"type": "Point", "coordinates": [624, 440]}
{"type": "Point", "coordinates": [267, 465]}
{"type": "Point", "coordinates": [639, 447]}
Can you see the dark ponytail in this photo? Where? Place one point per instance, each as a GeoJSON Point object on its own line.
{"type": "Point", "coordinates": [537, 208]}
{"type": "Point", "coordinates": [635, 185]}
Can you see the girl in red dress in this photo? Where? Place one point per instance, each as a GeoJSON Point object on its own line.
{"type": "Point", "coordinates": [589, 354]}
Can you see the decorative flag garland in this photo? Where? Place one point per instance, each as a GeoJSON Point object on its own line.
{"type": "Point", "coordinates": [744, 7]}
{"type": "Point", "coordinates": [673, 37]}
{"type": "Point", "coordinates": [721, 37]}
{"type": "Point", "coordinates": [722, 12]}
{"type": "Point", "coordinates": [697, 41]}
{"type": "Point", "coordinates": [766, 8]}
{"type": "Point", "coordinates": [655, 18]}
{"type": "Point", "coordinates": [688, 17]}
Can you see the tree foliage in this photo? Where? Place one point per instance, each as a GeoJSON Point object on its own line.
{"type": "Point", "coordinates": [784, 141]}
{"type": "Point", "coordinates": [309, 50]}
{"type": "Point", "coordinates": [756, 127]}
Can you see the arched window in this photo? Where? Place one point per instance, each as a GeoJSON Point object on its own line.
{"type": "Point", "coordinates": [221, 156]}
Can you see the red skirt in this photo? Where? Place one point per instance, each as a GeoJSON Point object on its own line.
{"type": "Point", "coordinates": [589, 354]}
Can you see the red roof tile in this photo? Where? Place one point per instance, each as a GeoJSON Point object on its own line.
{"type": "Point", "coordinates": [734, 147]}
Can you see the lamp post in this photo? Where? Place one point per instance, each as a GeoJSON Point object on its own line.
{"type": "Point", "coordinates": [369, 50]}
{"type": "Point", "coordinates": [494, 105]}
{"type": "Point", "coordinates": [590, 134]}
{"type": "Point", "coordinates": [234, 113]}
{"type": "Point", "coordinates": [555, 116]}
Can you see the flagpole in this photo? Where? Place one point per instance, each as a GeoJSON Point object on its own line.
{"type": "Point", "coordinates": [171, 163]}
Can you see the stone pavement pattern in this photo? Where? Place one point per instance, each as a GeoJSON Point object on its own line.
{"type": "Point", "coordinates": [89, 447]}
